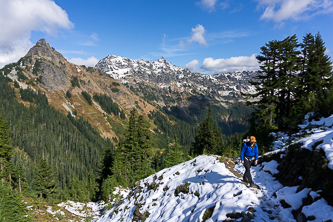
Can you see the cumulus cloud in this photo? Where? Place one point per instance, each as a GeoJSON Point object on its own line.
{"type": "Point", "coordinates": [91, 61]}
{"type": "Point", "coordinates": [207, 4]}
{"type": "Point", "coordinates": [18, 18]}
{"type": "Point", "coordinates": [192, 65]}
{"type": "Point", "coordinates": [281, 10]}
{"type": "Point", "coordinates": [239, 63]}
{"type": "Point", "coordinates": [198, 35]}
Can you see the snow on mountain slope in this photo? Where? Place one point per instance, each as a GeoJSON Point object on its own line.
{"type": "Point", "coordinates": [119, 67]}
{"type": "Point", "coordinates": [212, 185]}
{"type": "Point", "coordinates": [185, 192]}
{"type": "Point", "coordinates": [311, 132]}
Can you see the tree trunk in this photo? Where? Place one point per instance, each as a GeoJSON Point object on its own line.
{"type": "Point", "coordinates": [20, 189]}
{"type": "Point", "coordinates": [41, 195]}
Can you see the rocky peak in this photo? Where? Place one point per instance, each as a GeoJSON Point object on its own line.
{"type": "Point", "coordinates": [162, 59]}
{"type": "Point", "coordinates": [43, 49]}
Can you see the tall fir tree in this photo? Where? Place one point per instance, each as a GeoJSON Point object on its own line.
{"type": "Point", "coordinates": [12, 205]}
{"type": "Point", "coordinates": [44, 178]}
{"type": "Point", "coordinates": [144, 152]}
{"type": "Point", "coordinates": [6, 150]}
{"type": "Point", "coordinates": [265, 83]}
{"type": "Point", "coordinates": [208, 137]}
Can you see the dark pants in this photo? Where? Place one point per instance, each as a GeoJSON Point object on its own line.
{"type": "Point", "coordinates": [247, 175]}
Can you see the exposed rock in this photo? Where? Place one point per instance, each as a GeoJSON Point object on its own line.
{"type": "Point", "coordinates": [301, 217]}
{"type": "Point", "coordinates": [311, 166]}
{"type": "Point", "coordinates": [285, 204]}
{"type": "Point", "coordinates": [235, 215]}
{"type": "Point", "coordinates": [311, 218]}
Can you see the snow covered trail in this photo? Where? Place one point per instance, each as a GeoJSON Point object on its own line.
{"type": "Point", "coordinates": [207, 183]}
{"type": "Point", "coordinates": [271, 193]}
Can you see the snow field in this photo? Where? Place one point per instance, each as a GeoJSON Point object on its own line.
{"type": "Point", "coordinates": [211, 184]}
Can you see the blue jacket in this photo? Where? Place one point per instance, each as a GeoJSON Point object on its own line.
{"type": "Point", "coordinates": [246, 151]}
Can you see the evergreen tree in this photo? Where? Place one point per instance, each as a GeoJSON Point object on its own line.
{"type": "Point", "coordinates": [6, 150]}
{"type": "Point", "coordinates": [265, 83]}
{"type": "Point", "coordinates": [144, 152]}
{"type": "Point", "coordinates": [12, 206]}
{"type": "Point", "coordinates": [208, 137]}
{"type": "Point", "coordinates": [172, 155]}
{"type": "Point", "coordinates": [77, 191]}
{"type": "Point", "coordinates": [44, 178]}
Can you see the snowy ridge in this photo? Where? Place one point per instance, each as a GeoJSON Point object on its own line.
{"type": "Point", "coordinates": [212, 185]}
{"type": "Point", "coordinates": [161, 73]}
{"type": "Point", "coordinates": [119, 67]}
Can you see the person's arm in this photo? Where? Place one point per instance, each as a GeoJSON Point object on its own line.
{"type": "Point", "coordinates": [242, 152]}
{"type": "Point", "coordinates": [257, 154]}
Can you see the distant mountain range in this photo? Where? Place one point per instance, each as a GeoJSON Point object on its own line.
{"type": "Point", "coordinates": [170, 85]}
{"type": "Point", "coordinates": [146, 85]}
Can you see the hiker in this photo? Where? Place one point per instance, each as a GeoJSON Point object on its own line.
{"type": "Point", "coordinates": [249, 154]}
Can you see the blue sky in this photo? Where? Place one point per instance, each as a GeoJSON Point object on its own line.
{"type": "Point", "coordinates": [206, 36]}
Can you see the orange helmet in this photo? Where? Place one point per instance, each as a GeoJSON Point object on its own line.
{"type": "Point", "coordinates": [253, 139]}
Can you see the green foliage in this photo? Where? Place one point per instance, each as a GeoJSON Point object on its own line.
{"type": "Point", "coordinates": [208, 213]}
{"type": "Point", "coordinates": [294, 80]}
{"type": "Point", "coordinates": [37, 67]}
{"type": "Point", "coordinates": [115, 90]}
{"type": "Point", "coordinates": [208, 137]}
{"type": "Point", "coordinates": [75, 81]}
{"type": "Point", "coordinates": [12, 205]}
{"type": "Point", "coordinates": [72, 147]}
{"type": "Point", "coordinates": [107, 104]}
{"type": "Point", "coordinates": [182, 189]}
{"type": "Point", "coordinates": [77, 191]}
{"type": "Point", "coordinates": [43, 181]}
{"type": "Point", "coordinates": [180, 131]}
{"type": "Point", "coordinates": [68, 94]}
{"type": "Point", "coordinates": [172, 156]}
{"type": "Point", "coordinates": [132, 158]}
{"type": "Point", "coordinates": [115, 83]}
{"type": "Point", "coordinates": [6, 150]}
{"type": "Point", "coordinates": [16, 85]}
{"type": "Point", "coordinates": [32, 96]}
{"type": "Point", "coordinates": [122, 114]}
{"type": "Point", "coordinates": [87, 96]}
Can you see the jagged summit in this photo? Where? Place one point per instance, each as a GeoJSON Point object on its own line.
{"type": "Point", "coordinates": [43, 49]}
{"type": "Point", "coordinates": [118, 67]}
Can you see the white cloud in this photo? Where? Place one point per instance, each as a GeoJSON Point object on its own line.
{"type": "Point", "coordinates": [18, 18]}
{"type": "Point", "coordinates": [281, 10]}
{"type": "Point", "coordinates": [192, 65]}
{"type": "Point", "coordinates": [328, 51]}
{"type": "Point", "coordinates": [239, 63]}
{"type": "Point", "coordinates": [197, 35]}
{"type": "Point", "coordinates": [94, 36]}
{"type": "Point", "coordinates": [91, 61]}
{"type": "Point", "coordinates": [207, 4]}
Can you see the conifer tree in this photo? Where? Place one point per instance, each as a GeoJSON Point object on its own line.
{"type": "Point", "coordinates": [12, 206]}
{"type": "Point", "coordinates": [144, 152]}
{"type": "Point", "coordinates": [44, 178]}
{"type": "Point", "coordinates": [6, 150]}
{"type": "Point", "coordinates": [265, 83]}
{"type": "Point", "coordinates": [173, 155]}
{"type": "Point", "coordinates": [208, 137]}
